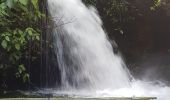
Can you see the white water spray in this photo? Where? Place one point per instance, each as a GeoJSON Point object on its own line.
{"type": "Point", "coordinates": [85, 55]}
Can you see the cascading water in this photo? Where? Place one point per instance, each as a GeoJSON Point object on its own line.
{"type": "Point", "coordinates": [85, 55]}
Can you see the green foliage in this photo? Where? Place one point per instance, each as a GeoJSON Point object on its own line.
{"type": "Point", "coordinates": [117, 12]}
{"type": "Point", "coordinates": [19, 33]}
{"type": "Point", "coordinates": [22, 73]}
{"type": "Point", "coordinates": [156, 4]}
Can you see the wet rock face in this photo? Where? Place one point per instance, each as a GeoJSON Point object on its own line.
{"type": "Point", "coordinates": [149, 33]}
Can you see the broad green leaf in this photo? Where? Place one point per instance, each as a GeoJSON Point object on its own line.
{"type": "Point", "coordinates": [9, 3]}
{"type": "Point", "coordinates": [24, 2]}
{"type": "Point", "coordinates": [157, 3]}
{"type": "Point", "coordinates": [38, 38]}
{"type": "Point", "coordinates": [19, 70]}
{"type": "Point", "coordinates": [17, 46]}
{"type": "Point", "coordinates": [4, 44]}
{"type": "Point", "coordinates": [22, 67]}
{"type": "Point", "coordinates": [3, 6]}
{"type": "Point", "coordinates": [22, 39]}
{"type": "Point", "coordinates": [7, 38]}
{"type": "Point", "coordinates": [26, 77]}
{"type": "Point", "coordinates": [30, 32]}
{"type": "Point", "coordinates": [35, 3]}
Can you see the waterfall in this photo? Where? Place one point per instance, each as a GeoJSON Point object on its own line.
{"type": "Point", "coordinates": [86, 59]}
{"type": "Point", "coordinates": [85, 55]}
